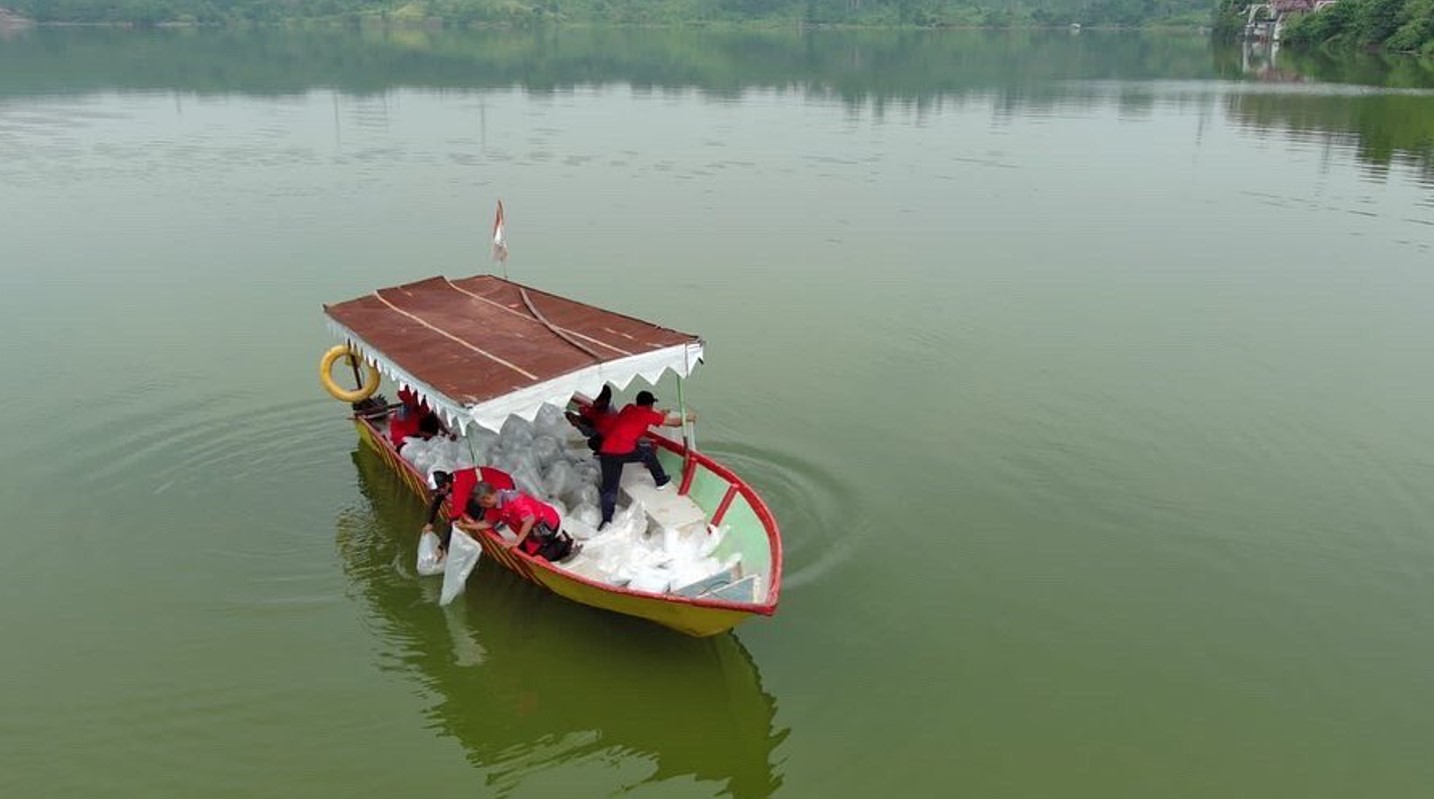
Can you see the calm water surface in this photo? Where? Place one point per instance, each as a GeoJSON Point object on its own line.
{"type": "Point", "coordinates": [1088, 377]}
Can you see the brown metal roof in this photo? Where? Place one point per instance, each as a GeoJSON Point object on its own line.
{"type": "Point", "coordinates": [475, 338]}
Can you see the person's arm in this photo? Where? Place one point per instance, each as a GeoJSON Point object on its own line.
{"type": "Point", "coordinates": [674, 419]}
{"type": "Point", "coordinates": [528, 522]}
{"type": "Point", "coordinates": [433, 508]}
{"type": "Point", "coordinates": [582, 423]}
{"type": "Point", "coordinates": [472, 525]}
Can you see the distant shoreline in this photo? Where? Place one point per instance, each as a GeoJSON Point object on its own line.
{"type": "Point", "coordinates": [440, 24]}
{"type": "Point", "coordinates": [12, 19]}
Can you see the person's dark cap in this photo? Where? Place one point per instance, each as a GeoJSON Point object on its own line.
{"type": "Point", "coordinates": [442, 478]}
{"type": "Point", "coordinates": [645, 398]}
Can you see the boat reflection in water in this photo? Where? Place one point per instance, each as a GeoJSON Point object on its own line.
{"type": "Point", "coordinates": [529, 681]}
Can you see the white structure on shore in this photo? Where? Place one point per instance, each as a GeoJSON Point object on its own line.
{"type": "Point", "coordinates": [1264, 22]}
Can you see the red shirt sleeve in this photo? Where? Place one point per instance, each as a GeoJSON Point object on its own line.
{"type": "Point", "coordinates": [464, 481]}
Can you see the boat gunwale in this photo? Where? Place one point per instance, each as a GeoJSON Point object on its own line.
{"type": "Point", "coordinates": [767, 607]}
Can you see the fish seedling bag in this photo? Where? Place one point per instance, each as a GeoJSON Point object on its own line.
{"type": "Point", "coordinates": [463, 554]}
{"type": "Point", "coordinates": [428, 562]}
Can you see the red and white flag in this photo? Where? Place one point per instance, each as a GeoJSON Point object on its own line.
{"type": "Point", "coordinates": [500, 245]}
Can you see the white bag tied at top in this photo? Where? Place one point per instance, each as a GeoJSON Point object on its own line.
{"type": "Point", "coordinates": [463, 554]}
{"type": "Point", "coordinates": [428, 562]}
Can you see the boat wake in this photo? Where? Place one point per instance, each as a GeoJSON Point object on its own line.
{"type": "Point", "coordinates": [152, 446]}
{"type": "Point", "coordinates": [813, 507]}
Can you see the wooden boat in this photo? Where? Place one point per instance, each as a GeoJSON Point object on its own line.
{"type": "Point", "coordinates": [478, 350]}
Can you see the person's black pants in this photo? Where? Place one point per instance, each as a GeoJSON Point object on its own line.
{"type": "Point", "coordinates": [612, 475]}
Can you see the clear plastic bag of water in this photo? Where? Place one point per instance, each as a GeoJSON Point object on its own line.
{"type": "Point", "coordinates": [463, 554]}
{"type": "Point", "coordinates": [429, 563]}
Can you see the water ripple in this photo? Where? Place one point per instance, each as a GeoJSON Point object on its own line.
{"type": "Point", "coordinates": [812, 504]}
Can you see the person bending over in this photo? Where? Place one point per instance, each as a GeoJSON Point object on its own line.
{"type": "Point", "coordinates": [458, 488]}
{"type": "Point", "coordinates": [413, 418]}
{"type": "Point", "coordinates": [595, 419]}
{"type": "Point", "coordinates": [534, 522]}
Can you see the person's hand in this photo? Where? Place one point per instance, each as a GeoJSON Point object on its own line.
{"type": "Point", "coordinates": [428, 528]}
{"type": "Point", "coordinates": [509, 544]}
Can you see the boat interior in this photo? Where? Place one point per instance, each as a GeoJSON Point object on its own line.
{"type": "Point", "coordinates": [696, 537]}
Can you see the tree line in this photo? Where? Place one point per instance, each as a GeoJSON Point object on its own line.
{"type": "Point", "coordinates": [463, 13]}
{"type": "Point", "coordinates": [1396, 25]}
{"type": "Point", "coordinates": [1401, 26]}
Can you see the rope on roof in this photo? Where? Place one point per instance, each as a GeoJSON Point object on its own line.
{"type": "Point", "coordinates": [549, 325]}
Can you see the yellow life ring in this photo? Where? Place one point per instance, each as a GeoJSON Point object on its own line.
{"type": "Point", "coordinates": [370, 383]}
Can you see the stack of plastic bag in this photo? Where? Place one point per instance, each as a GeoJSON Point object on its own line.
{"type": "Point", "coordinates": [481, 442]}
{"type": "Point", "coordinates": [654, 560]}
{"type": "Point", "coordinates": [548, 459]}
{"type": "Point", "coordinates": [436, 454]}
{"type": "Point", "coordinates": [551, 421]}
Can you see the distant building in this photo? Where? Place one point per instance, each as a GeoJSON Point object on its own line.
{"type": "Point", "coordinates": [1265, 21]}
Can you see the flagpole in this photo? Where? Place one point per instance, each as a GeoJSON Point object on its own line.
{"type": "Point", "coordinates": [689, 434]}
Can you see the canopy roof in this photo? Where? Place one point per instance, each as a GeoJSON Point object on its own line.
{"type": "Point", "coordinates": [477, 350]}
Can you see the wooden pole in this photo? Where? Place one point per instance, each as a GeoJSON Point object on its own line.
{"type": "Point", "coordinates": [354, 362]}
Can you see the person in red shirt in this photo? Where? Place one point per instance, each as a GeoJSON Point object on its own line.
{"type": "Point", "coordinates": [622, 445]}
{"type": "Point", "coordinates": [596, 418]}
{"type": "Point", "coordinates": [412, 418]}
{"type": "Point", "coordinates": [458, 488]}
{"type": "Point", "coordinates": [534, 522]}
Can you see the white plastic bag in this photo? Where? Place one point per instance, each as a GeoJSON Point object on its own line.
{"type": "Point", "coordinates": [587, 513]}
{"type": "Point", "coordinates": [481, 443]}
{"type": "Point", "coordinates": [559, 479]}
{"type": "Point", "coordinates": [653, 580]}
{"type": "Point", "coordinates": [579, 529]}
{"type": "Point", "coordinates": [546, 450]}
{"type": "Point", "coordinates": [550, 421]}
{"type": "Point", "coordinates": [428, 562]}
{"type": "Point", "coordinates": [463, 554]}
{"type": "Point", "coordinates": [516, 434]}
{"type": "Point", "coordinates": [630, 521]}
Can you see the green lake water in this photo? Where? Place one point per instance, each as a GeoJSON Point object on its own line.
{"type": "Point", "coordinates": [1088, 377]}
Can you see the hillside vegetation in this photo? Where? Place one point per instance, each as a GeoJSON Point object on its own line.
{"type": "Point", "coordinates": [1395, 25]}
{"type": "Point", "coordinates": [917, 13]}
